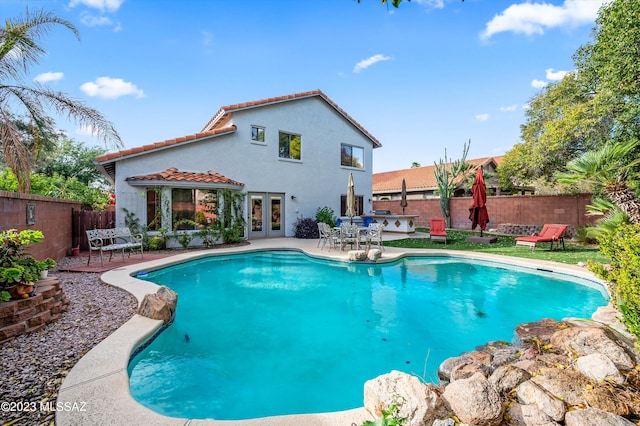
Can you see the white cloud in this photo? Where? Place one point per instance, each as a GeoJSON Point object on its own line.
{"type": "Point", "coordinates": [366, 63]}
{"type": "Point", "coordinates": [437, 4]}
{"type": "Point", "coordinates": [555, 75]}
{"type": "Point", "coordinates": [538, 84]}
{"type": "Point", "coordinates": [111, 88]}
{"type": "Point", "coordinates": [509, 108]}
{"type": "Point", "coordinates": [482, 117]}
{"type": "Point", "coordinates": [46, 77]}
{"type": "Point", "coordinates": [102, 5]}
{"type": "Point", "coordinates": [95, 21]}
{"type": "Point", "coordinates": [534, 18]}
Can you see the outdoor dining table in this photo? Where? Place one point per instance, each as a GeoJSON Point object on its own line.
{"type": "Point", "coordinates": [354, 238]}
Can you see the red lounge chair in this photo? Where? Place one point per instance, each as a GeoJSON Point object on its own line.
{"type": "Point", "coordinates": [438, 229]}
{"type": "Point", "coordinates": [549, 233]}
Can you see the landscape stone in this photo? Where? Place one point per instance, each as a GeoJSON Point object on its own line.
{"type": "Point", "coordinates": [508, 377]}
{"type": "Point", "coordinates": [529, 415]}
{"type": "Point", "coordinates": [474, 401]}
{"type": "Point", "coordinates": [593, 416]}
{"type": "Point", "coordinates": [418, 402]}
{"type": "Point", "coordinates": [530, 393]}
{"type": "Point", "coordinates": [374, 254]}
{"type": "Point", "coordinates": [599, 367]}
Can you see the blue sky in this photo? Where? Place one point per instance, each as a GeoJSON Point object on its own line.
{"type": "Point", "coordinates": [428, 76]}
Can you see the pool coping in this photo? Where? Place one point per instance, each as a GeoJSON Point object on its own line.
{"type": "Point", "coordinates": [96, 390]}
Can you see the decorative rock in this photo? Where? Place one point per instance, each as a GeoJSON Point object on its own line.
{"type": "Point", "coordinates": [529, 415]}
{"type": "Point", "coordinates": [564, 384]}
{"type": "Point", "coordinates": [446, 422]}
{"type": "Point", "coordinates": [599, 368]}
{"type": "Point", "coordinates": [169, 296]}
{"type": "Point", "coordinates": [474, 401]}
{"type": "Point", "coordinates": [468, 369]}
{"type": "Point", "coordinates": [356, 255]}
{"type": "Point", "coordinates": [374, 254]}
{"type": "Point", "coordinates": [589, 340]}
{"type": "Point", "coordinates": [530, 393]}
{"type": "Point", "coordinates": [154, 307]}
{"type": "Point", "coordinates": [593, 416]}
{"type": "Point", "coordinates": [508, 377]}
{"type": "Point", "coordinates": [607, 398]}
{"type": "Point", "coordinates": [539, 330]}
{"type": "Point", "coordinates": [418, 402]}
{"type": "Point", "coordinates": [161, 305]}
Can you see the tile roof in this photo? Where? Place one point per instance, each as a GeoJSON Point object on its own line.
{"type": "Point", "coordinates": [221, 117]}
{"type": "Point", "coordinates": [418, 178]}
{"type": "Point", "coordinates": [175, 175]}
{"type": "Point", "coordinates": [166, 143]}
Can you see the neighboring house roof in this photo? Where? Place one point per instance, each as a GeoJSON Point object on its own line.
{"type": "Point", "coordinates": [219, 125]}
{"type": "Point", "coordinates": [418, 178]}
{"type": "Point", "coordinates": [178, 178]}
{"type": "Point", "coordinates": [224, 114]}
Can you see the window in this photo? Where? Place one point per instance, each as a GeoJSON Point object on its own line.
{"type": "Point", "coordinates": [154, 215]}
{"type": "Point", "coordinates": [192, 208]}
{"type": "Point", "coordinates": [257, 134]}
{"type": "Point", "coordinates": [289, 146]}
{"type": "Point", "coordinates": [351, 156]}
{"type": "Point", "coordinates": [359, 205]}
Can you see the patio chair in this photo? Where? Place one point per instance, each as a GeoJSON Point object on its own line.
{"type": "Point", "coordinates": [374, 236]}
{"type": "Point", "coordinates": [548, 234]}
{"type": "Point", "coordinates": [349, 234]}
{"type": "Point", "coordinates": [437, 230]}
{"type": "Point", "coordinates": [327, 236]}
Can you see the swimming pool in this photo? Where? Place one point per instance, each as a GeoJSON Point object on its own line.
{"type": "Point", "coordinates": [286, 333]}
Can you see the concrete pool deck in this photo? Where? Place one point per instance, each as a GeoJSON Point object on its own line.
{"type": "Point", "coordinates": [96, 390]}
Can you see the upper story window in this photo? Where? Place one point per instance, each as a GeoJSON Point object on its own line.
{"type": "Point", "coordinates": [351, 156]}
{"type": "Point", "coordinates": [289, 146]}
{"type": "Point", "coordinates": [257, 134]}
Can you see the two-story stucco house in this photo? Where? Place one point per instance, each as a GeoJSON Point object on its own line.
{"type": "Point", "coordinates": [290, 155]}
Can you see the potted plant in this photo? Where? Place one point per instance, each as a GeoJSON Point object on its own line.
{"type": "Point", "coordinates": [19, 270]}
{"type": "Point", "coordinates": [45, 265]}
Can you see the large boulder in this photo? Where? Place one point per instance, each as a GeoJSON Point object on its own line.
{"type": "Point", "coordinates": [599, 368]}
{"type": "Point", "coordinates": [418, 402]}
{"type": "Point", "coordinates": [474, 401]}
{"type": "Point", "coordinates": [507, 377]}
{"type": "Point", "coordinates": [532, 394]}
{"type": "Point", "coordinates": [589, 340]}
{"type": "Point", "coordinates": [160, 306]}
{"type": "Point", "coordinates": [593, 416]}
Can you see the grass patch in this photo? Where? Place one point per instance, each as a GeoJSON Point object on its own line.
{"type": "Point", "coordinates": [506, 246]}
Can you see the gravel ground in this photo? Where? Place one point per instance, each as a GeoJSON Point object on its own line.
{"type": "Point", "coordinates": [34, 365]}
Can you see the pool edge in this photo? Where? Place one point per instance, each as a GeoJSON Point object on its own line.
{"type": "Point", "coordinates": [100, 380]}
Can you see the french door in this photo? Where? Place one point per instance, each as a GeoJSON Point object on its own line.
{"type": "Point", "coordinates": [266, 215]}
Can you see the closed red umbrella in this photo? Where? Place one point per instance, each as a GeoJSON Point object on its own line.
{"type": "Point", "coordinates": [478, 211]}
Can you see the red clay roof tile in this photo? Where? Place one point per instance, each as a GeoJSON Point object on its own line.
{"type": "Point", "coordinates": [173, 174]}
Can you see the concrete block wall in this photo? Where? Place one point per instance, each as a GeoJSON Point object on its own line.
{"type": "Point", "coordinates": [53, 217]}
{"type": "Point", "coordinates": [513, 209]}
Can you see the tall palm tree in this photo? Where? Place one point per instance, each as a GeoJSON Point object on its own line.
{"type": "Point", "coordinates": [20, 48]}
{"type": "Point", "coordinates": [608, 169]}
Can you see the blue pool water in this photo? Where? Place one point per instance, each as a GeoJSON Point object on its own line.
{"type": "Point", "coordinates": [272, 333]}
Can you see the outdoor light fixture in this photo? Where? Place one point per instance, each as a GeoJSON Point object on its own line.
{"type": "Point", "coordinates": [293, 197]}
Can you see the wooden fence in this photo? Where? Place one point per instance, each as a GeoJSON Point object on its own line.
{"type": "Point", "coordinates": [84, 220]}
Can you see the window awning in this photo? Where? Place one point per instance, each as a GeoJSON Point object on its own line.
{"type": "Point", "coordinates": [176, 179]}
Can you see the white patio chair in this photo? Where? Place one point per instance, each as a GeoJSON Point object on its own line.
{"type": "Point", "coordinates": [374, 236]}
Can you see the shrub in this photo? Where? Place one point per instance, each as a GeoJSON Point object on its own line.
{"type": "Point", "coordinates": [622, 247]}
{"type": "Point", "coordinates": [306, 228]}
{"type": "Point", "coordinates": [326, 215]}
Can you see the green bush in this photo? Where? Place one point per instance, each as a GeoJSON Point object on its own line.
{"type": "Point", "coordinates": [622, 247]}
{"type": "Point", "coordinates": [326, 215]}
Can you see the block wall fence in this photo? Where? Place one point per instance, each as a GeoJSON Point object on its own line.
{"type": "Point", "coordinates": [52, 216]}
{"type": "Point", "coordinates": [507, 209]}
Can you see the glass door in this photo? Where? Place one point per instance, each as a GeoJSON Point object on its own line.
{"type": "Point", "coordinates": [266, 218]}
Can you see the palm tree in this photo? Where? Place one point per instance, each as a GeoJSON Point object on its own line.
{"type": "Point", "coordinates": [608, 169]}
{"type": "Point", "coordinates": [20, 48]}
